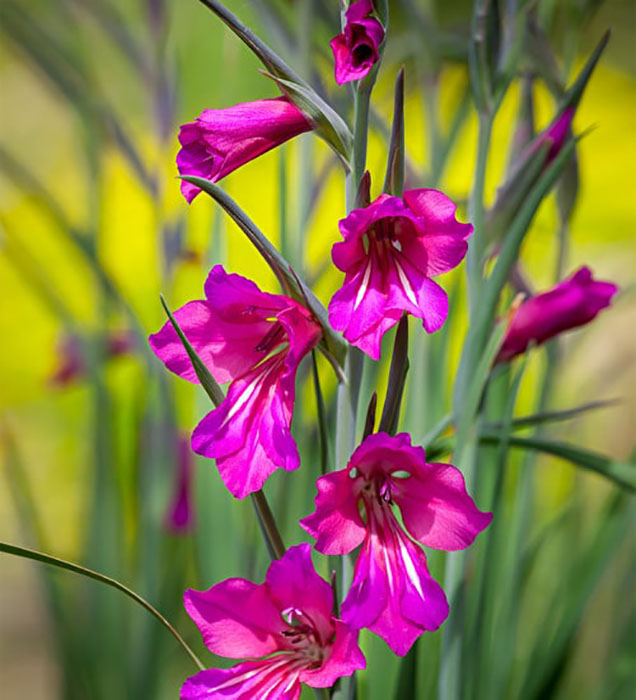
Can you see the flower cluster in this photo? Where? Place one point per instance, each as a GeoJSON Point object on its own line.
{"type": "Point", "coordinates": [387, 502]}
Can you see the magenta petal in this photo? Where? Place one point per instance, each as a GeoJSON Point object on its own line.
{"type": "Point", "coordinates": [236, 618]}
{"type": "Point", "coordinates": [293, 582]}
{"type": "Point", "coordinates": [221, 140]}
{"type": "Point", "coordinates": [436, 508]}
{"type": "Point", "coordinates": [416, 603]}
{"type": "Point", "coordinates": [369, 593]}
{"type": "Point", "coordinates": [249, 433]}
{"type": "Point", "coordinates": [343, 657]}
{"type": "Point", "coordinates": [570, 304]}
{"type": "Point", "coordinates": [247, 681]}
{"type": "Point", "coordinates": [355, 50]}
{"type": "Point", "coordinates": [336, 523]}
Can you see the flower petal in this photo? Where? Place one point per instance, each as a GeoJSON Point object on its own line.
{"type": "Point", "coordinates": [436, 508]}
{"type": "Point", "coordinates": [343, 657]}
{"type": "Point", "coordinates": [294, 584]}
{"type": "Point", "coordinates": [269, 678]}
{"type": "Point", "coordinates": [236, 618]}
{"type": "Point", "coordinates": [336, 523]}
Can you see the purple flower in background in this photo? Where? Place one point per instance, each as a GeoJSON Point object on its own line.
{"type": "Point", "coordinates": [180, 515]}
{"type": "Point", "coordinates": [391, 250]}
{"type": "Point", "coordinates": [287, 621]}
{"type": "Point", "coordinates": [255, 341]}
{"type": "Point", "coordinates": [355, 51]}
{"type": "Point", "coordinates": [72, 362]}
{"type": "Point", "coordinates": [221, 140]}
{"type": "Point", "coordinates": [392, 592]}
{"type": "Point", "coordinates": [572, 303]}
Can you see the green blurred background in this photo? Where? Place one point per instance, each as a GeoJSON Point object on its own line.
{"type": "Point", "coordinates": [93, 228]}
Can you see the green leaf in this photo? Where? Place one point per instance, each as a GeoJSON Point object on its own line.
{"type": "Point", "coordinates": [394, 179]}
{"type": "Point", "coordinates": [492, 288]}
{"type": "Point", "coordinates": [397, 378]}
{"type": "Point", "coordinates": [113, 583]}
{"type": "Point", "coordinates": [574, 93]}
{"type": "Point", "coordinates": [553, 416]}
{"type": "Point", "coordinates": [290, 282]}
{"type": "Point", "coordinates": [329, 125]}
{"type": "Point", "coordinates": [621, 472]}
{"type": "Point", "coordinates": [208, 382]}
{"type": "Point", "coordinates": [476, 387]}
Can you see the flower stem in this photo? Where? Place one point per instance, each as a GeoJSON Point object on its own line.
{"type": "Point", "coordinates": [476, 213]}
{"type": "Point", "coordinates": [273, 540]}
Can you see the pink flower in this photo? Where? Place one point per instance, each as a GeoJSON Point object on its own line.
{"type": "Point", "coordinates": [355, 51]}
{"type": "Point", "coordinates": [255, 341]}
{"type": "Point", "coordinates": [288, 620]}
{"type": "Point", "coordinates": [391, 250]}
{"type": "Point", "coordinates": [572, 303]}
{"type": "Point", "coordinates": [221, 140]}
{"type": "Point", "coordinates": [392, 592]}
{"type": "Point", "coordinates": [179, 516]}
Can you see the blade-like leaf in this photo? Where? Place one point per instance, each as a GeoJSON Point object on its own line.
{"type": "Point", "coordinates": [397, 378]}
{"type": "Point", "coordinates": [208, 382]}
{"type": "Point", "coordinates": [394, 179]}
{"type": "Point", "coordinates": [621, 472]}
{"type": "Point", "coordinates": [281, 268]}
{"type": "Point", "coordinates": [89, 573]}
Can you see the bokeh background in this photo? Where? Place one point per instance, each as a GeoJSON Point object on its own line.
{"type": "Point", "coordinates": [93, 228]}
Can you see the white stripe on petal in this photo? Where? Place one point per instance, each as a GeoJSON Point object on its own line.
{"type": "Point", "coordinates": [364, 286]}
{"type": "Point", "coordinates": [406, 285]}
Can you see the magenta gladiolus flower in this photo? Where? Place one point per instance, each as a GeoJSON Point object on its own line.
{"type": "Point", "coordinates": [180, 516]}
{"type": "Point", "coordinates": [288, 620]}
{"type": "Point", "coordinates": [392, 592]}
{"type": "Point", "coordinates": [391, 250]}
{"type": "Point", "coordinates": [355, 51]}
{"type": "Point", "coordinates": [255, 341]}
{"type": "Point", "coordinates": [221, 140]}
{"type": "Point", "coordinates": [570, 304]}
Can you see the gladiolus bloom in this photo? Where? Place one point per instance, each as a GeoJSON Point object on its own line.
{"type": "Point", "coordinates": [392, 592]}
{"type": "Point", "coordinates": [355, 51]}
{"type": "Point", "coordinates": [288, 620]}
{"type": "Point", "coordinates": [179, 516]}
{"type": "Point", "coordinates": [255, 341]}
{"type": "Point", "coordinates": [570, 304]}
{"type": "Point", "coordinates": [221, 140]}
{"type": "Point", "coordinates": [391, 250]}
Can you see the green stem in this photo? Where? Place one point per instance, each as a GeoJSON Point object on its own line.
{"type": "Point", "coordinates": [476, 213]}
{"type": "Point", "coordinates": [268, 526]}
{"type": "Point", "coordinates": [76, 568]}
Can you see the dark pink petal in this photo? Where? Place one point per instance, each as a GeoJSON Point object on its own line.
{"type": "Point", "coordinates": [342, 658]}
{"type": "Point", "coordinates": [221, 140]}
{"type": "Point", "coordinates": [268, 678]}
{"type": "Point", "coordinates": [416, 602]}
{"type": "Point", "coordinates": [355, 50]}
{"type": "Point", "coordinates": [557, 133]}
{"type": "Point", "coordinates": [359, 9]}
{"type": "Point", "coordinates": [336, 523]}
{"type": "Point", "coordinates": [180, 516]}
{"type": "Point", "coordinates": [294, 584]}
{"type": "Point", "coordinates": [436, 508]}
{"type": "Point", "coordinates": [570, 304]}
{"type": "Point", "coordinates": [369, 593]}
{"type": "Point", "coordinates": [392, 592]}
{"type": "Point", "coordinates": [237, 618]}
{"type": "Point", "coordinates": [384, 453]}
{"type": "Point", "coordinates": [249, 433]}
